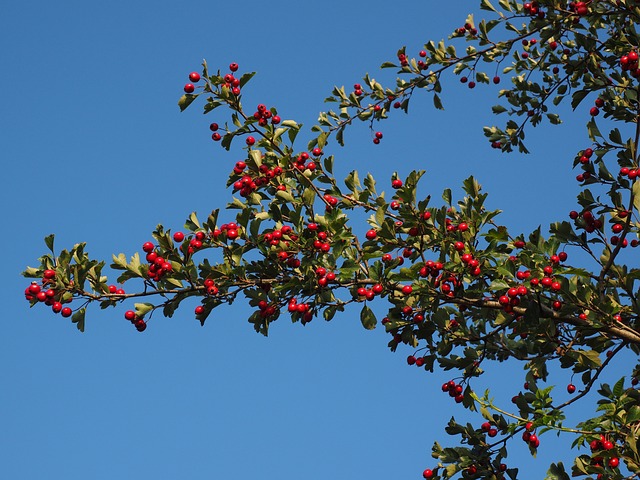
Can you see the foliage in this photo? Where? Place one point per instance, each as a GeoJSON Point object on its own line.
{"type": "Point", "coordinates": [459, 287]}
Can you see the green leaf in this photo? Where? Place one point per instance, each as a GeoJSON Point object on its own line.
{"type": "Point", "coordinates": [78, 319]}
{"type": "Point", "coordinates": [557, 472]}
{"type": "Point", "coordinates": [446, 196]}
{"type": "Point", "coordinates": [437, 102]}
{"type": "Point", "coordinates": [48, 240]}
{"type": "Point", "coordinates": [186, 100]}
{"type": "Point", "coordinates": [368, 318]}
{"type": "Point", "coordinates": [143, 308]}
{"type": "Point", "coordinates": [633, 415]}
{"type": "Point", "coordinates": [245, 78]}
{"type": "Point", "coordinates": [593, 131]}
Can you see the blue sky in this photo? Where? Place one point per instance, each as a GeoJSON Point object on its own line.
{"type": "Point", "coordinates": [95, 149]}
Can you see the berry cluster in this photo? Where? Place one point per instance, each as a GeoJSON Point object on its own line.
{"type": "Point", "coordinates": [43, 293]}
{"type": "Point", "coordinates": [263, 114]}
{"type": "Point", "coordinates": [417, 361]}
{"type": "Point", "coordinates": [229, 231]}
{"type": "Point", "coordinates": [325, 277]}
{"type": "Point", "coordinates": [629, 62]}
{"type": "Point", "coordinates": [489, 429]}
{"type": "Point", "coordinates": [158, 265]}
{"type": "Point", "coordinates": [302, 309]}
{"type": "Point", "coordinates": [321, 242]}
{"type": "Point", "coordinates": [230, 81]}
{"type": "Point", "coordinates": [137, 321]}
{"type": "Point", "coordinates": [247, 184]}
{"type": "Point", "coordinates": [370, 293]}
{"type": "Point", "coordinates": [454, 390]}
{"type": "Point", "coordinates": [300, 163]}
{"type": "Point", "coordinates": [588, 221]}
{"type": "Point", "coordinates": [194, 77]}
{"type": "Point", "coordinates": [598, 104]}
{"type": "Point", "coordinates": [579, 8]}
{"type": "Point", "coordinates": [467, 29]}
{"type": "Point", "coordinates": [533, 9]}
{"type": "Point", "coordinates": [529, 436]}
{"type": "Point", "coordinates": [603, 447]}
{"type": "Point", "coordinates": [631, 173]}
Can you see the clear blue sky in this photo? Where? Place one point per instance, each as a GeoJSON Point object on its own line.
{"type": "Point", "coordinates": [94, 148]}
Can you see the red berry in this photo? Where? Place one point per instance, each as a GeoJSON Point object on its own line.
{"type": "Point", "coordinates": [371, 234]}
{"type": "Point", "coordinates": [49, 274]}
{"type": "Point", "coordinates": [428, 473]}
{"type": "Point", "coordinates": [189, 88]}
{"type": "Point", "coordinates": [148, 247]}
{"type": "Point", "coordinates": [178, 237]}
{"type": "Point", "coordinates": [194, 77]}
{"type": "Point", "coordinates": [250, 140]}
{"type": "Point", "coordinates": [233, 67]}
{"type": "Point", "coordinates": [594, 111]}
{"type": "Point", "coordinates": [571, 388]}
{"type": "Point", "coordinates": [407, 289]}
{"type": "Point", "coordinates": [199, 310]}
{"type": "Point", "coordinates": [66, 312]}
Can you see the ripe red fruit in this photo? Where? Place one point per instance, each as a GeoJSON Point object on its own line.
{"type": "Point", "coordinates": [428, 473]}
{"type": "Point", "coordinates": [130, 315]}
{"type": "Point", "coordinates": [189, 88]}
{"type": "Point", "coordinates": [599, 102]}
{"type": "Point", "coordinates": [250, 140]}
{"type": "Point", "coordinates": [496, 80]}
{"type": "Point", "coordinates": [56, 307]}
{"type": "Point", "coordinates": [378, 135]}
{"type": "Point", "coordinates": [411, 360]}
{"type": "Point", "coordinates": [66, 312]}
{"type": "Point", "coordinates": [194, 77]}
{"type": "Point", "coordinates": [233, 67]}
{"type": "Point", "coordinates": [148, 247]}
{"type": "Point", "coordinates": [141, 325]}
{"type": "Point", "coordinates": [397, 183]}
{"type": "Point", "coordinates": [614, 462]}
{"type": "Point", "coordinates": [407, 289]}
{"type": "Point", "coordinates": [49, 274]}
{"type": "Point", "coordinates": [178, 237]}
{"type": "Point", "coordinates": [371, 234]}
{"type": "Point", "coordinates": [571, 388]}
{"type": "Point", "coordinates": [199, 310]}
{"type": "Point", "coordinates": [594, 111]}
{"type": "Point", "coordinates": [34, 289]}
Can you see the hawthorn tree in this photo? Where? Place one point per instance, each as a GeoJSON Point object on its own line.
{"type": "Point", "coordinates": [457, 286]}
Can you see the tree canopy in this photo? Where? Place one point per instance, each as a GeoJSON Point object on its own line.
{"type": "Point", "coordinates": [442, 276]}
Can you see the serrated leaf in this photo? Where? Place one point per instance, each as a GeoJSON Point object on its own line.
{"type": "Point", "coordinates": [557, 472]}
